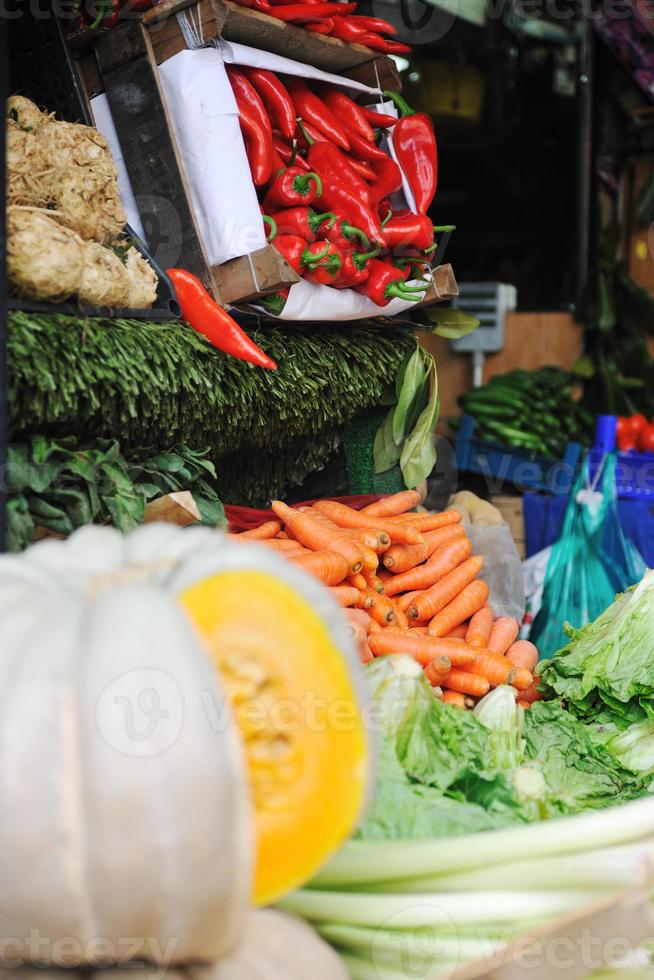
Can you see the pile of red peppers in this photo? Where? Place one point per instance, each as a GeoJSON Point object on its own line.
{"type": "Point", "coordinates": [325, 184]}
{"type": "Point", "coordinates": [334, 19]}
{"type": "Point", "coordinates": [94, 14]}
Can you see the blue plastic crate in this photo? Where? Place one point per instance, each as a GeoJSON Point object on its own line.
{"type": "Point", "coordinates": [634, 474]}
{"type": "Point", "coordinates": [504, 464]}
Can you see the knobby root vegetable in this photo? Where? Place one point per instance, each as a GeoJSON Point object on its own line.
{"type": "Point", "coordinates": [104, 280]}
{"type": "Point", "coordinates": [44, 260]}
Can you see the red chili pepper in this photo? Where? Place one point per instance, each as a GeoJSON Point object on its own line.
{"type": "Point", "coordinates": [363, 150]}
{"type": "Point", "coordinates": [303, 222]}
{"type": "Point", "coordinates": [261, 5]}
{"type": "Point", "coordinates": [388, 180]}
{"type": "Point", "coordinates": [355, 268]}
{"type": "Point", "coordinates": [375, 25]}
{"type": "Point", "coordinates": [257, 145]}
{"type": "Point", "coordinates": [205, 315]}
{"type": "Point", "coordinates": [275, 302]}
{"type": "Point", "coordinates": [292, 187]}
{"type": "Point", "coordinates": [379, 120]}
{"type": "Point", "coordinates": [289, 154]}
{"type": "Point", "coordinates": [386, 282]}
{"type": "Point", "coordinates": [325, 26]}
{"type": "Point", "coordinates": [407, 230]}
{"type": "Point", "coordinates": [298, 12]}
{"type": "Point", "coordinates": [377, 43]}
{"type": "Point", "coordinates": [332, 164]}
{"type": "Point", "coordinates": [348, 113]}
{"type": "Point", "coordinates": [296, 252]}
{"type": "Point", "coordinates": [246, 95]}
{"type": "Point", "coordinates": [362, 169]}
{"type": "Point", "coordinates": [275, 98]}
{"type": "Point", "coordinates": [310, 107]}
{"type": "Point", "coordinates": [385, 210]}
{"type": "Point", "coordinates": [328, 268]}
{"type": "Point", "coordinates": [414, 143]}
{"type": "Point", "coordinates": [346, 29]}
{"type": "Point", "coordinates": [343, 234]}
{"type": "Point", "coordinates": [100, 13]}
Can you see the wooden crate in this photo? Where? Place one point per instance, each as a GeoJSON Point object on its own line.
{"type": "Point", "coordinates": [511, 507]}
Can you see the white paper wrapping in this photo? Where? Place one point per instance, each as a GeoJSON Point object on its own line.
{"type": "Point", "coordinates": [105, 124]}
{"type": "Point", "coordinates": [312, 301]}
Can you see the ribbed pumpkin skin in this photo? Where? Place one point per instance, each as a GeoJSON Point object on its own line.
{"type": "Point", "coordinates": [125, 829]}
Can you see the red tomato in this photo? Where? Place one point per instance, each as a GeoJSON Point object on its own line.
{"type": "Point", "coordinates": [637, 423]}
{"type": "Point", "coordinates": [623, 428]}
{"type": "Point", "coordinates": [646, 439]}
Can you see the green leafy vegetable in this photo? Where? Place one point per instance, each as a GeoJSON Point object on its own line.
{"type": "Point", "coordinates": [449, 323]}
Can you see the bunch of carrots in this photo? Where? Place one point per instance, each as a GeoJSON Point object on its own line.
{"type": "Point", "coordinates": [409, 585]}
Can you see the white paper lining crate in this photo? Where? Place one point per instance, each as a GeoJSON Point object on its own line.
{"type": "Point", "coordinates": [156, 89]}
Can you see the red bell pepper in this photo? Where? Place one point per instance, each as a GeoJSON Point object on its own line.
{"type": "Point", "coordinates": [407, 230]}
{"type": "Point", "coordinates": [355, 268]}
{"type": "Point", "coordinates": [292, 187]}
{"type": "Point", "coordinates": [303, 222]}
{"type": "Point", "coordinates": [348, 113]}
{"type": "Point", "coordinates": [343, 234]}
{"type": "Point", "coordinates": [308, 106]}
{"type": "Point", "coordinates": [289, 154]}
{"type": "Point", "coordinates": [299, 12]}
{"type": "Point", "coordinates": [379, 120]}
{"type": "Point", "coordinates": [388, 179]}
{"type": "Point", "coordinates": [296, 252]}
{"type": "Point", "coordinates": [386, 282]}
{"type": "Point", "coordinates": [246, 95]}
{"type": "Point", "coordinates": [275, 98]}
{"type": "Point", "coordinates": [377, 43]}
{"type": "Point", "coordinates": [205, 315]}
{"type": "Point", "coordinates": [414, 143]}
{"type": "Point", "coordinates": [258, 146]}
{"type": "Point", "coordinates": [363, 150]}
{"type": "Point", "coordinates": [328, 267]}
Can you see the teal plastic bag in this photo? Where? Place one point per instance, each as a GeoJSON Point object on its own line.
{"type": "Point", "coordinates": [589, 564]}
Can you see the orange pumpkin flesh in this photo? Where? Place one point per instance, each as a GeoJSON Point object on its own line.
{"type": "Point", "coordinates": [297, 711]}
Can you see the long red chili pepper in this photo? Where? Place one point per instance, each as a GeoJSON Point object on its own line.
{"type": "Point", "coordinates": [328, 268]}
{"type": "Point", "coordinates": [289, 154]}
{"type": "Point", "coordinates": [388, 179]}
{"type": "Point", "coordinates": [302, 221]}
{"type": "Point", "coordinates": [375, 25]}
{"type": "Point", "coordinates": [379, 120]}
{"type": "Point", "coordinates": [257, 145]}
{"type": "Point", "coordinates": [362, 169]}
{"type": "Point", "coordinates": [275, 98]}
{"type": "Point", "coordinates": [377, 43]}
{"type": "Point", "coordinates": [308, 106]}
{"type": "Point", "coordinates": [407, 230]}
{"type": "Point", "coordinates": [332, 163]}
{"type": "Point", "coordinates": [385, 282]}
{"type": "Point", "coordinates": [412, 266]}
{"type": "Point", "coordinates": [346, 29]}
{"type": "Point", "coordinates": [298, 12]}
{"type": "Point", "coordinates": [414, 143]}
{"type": "Point", "coordinates": [355, 268]}
{"type": "Point", "coordinates": [263, 6]}
{"type": "Point", "coordinates": [325, 26]}
{"type": "Point", "coordinates": [343, 234]}
{"type": "Point", "coordinates": [292, 187]}
{"type": "Point", "coordinates": [205, 315]}
{"type": "Point", "coordinates": [348, 113]}
{"type": "Point", "coordinates": [296, 252]}
{"type": "Point", "coordinates": [245, 94]}
{"type": "Point", "coordinates": [363, 150]}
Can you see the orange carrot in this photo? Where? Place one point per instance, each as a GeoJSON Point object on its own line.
{"type": "Point", "coordinates": [402, 557]}
{"type": "Point", "coordinates": [267, 530]}
{"type": "Point", "coordinates": [466, 683]}
{"type": "Point", "coordinates": [397, 503]}
{"type": "Point", "coordinates": [357, 581]}
{"type": "Point", "coordinates": [345, 595]}
{"type": "Point", "coordinates": [532, 693]}
{"type": "Point", "coordinates": [421, 647]}
{"type": "Point", "coordinates": [523, 679]}
{"type": "Point", "coordinates": [346, 517]}
{"type": "Point", "coordinates": [442, 535]}
{"type": "Point", "coordinates": [359, 616]}
{"type": "Point", "coordinates": [310, 532]}
{"type": "Point", "coordinates": [465, 604]}
{"type": "Point", "coordinates": [522, 653]}
{"type": "Point", "coordinates": [375, 627]}
{"type": "Point", "coordinates": [496, 669]}
{"type": "Point", "coordinates": [454, 698]}
{"type": "Point", "coordinates": [422, 577]}
{"type": "Point", "coordinates": [502, 635]}
{"type": "Point", "coordinates": [404, 601]}
{"type": "Point", "coordinates": [327, 566]}
{"type": "Point", "coordinates": [284, 545]}
{"type": "Point", "coordinates": [458, 633]}
{"type": "Point", "coordinates": [373, 537]}
{"type": "Point", "coordinates": [429, 522]}
{"type": "Point", "coordinates": [429, 603]}
{"type": "Point", "coordinates": [361, 640]}
{"type": "Point", "coordinates": [418, 629]}
{"type": "Point", "coordinates": [400, 617]}
{"type": "Point", "coordinates": [376, 583]}
{"type": "Point", "coordinates": [370, 560]}
{"type": "Point", "coordinates": [382, 610]}
{"type": "Point", "coordinates": [366, 599]}
{"type": "Point", "coordinates": [437, 670]}
{"type": "Point", "coordinates": [480, 628]}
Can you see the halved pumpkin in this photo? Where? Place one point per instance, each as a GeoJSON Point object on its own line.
{"type": "Point", "coordinates": [288, 678]}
